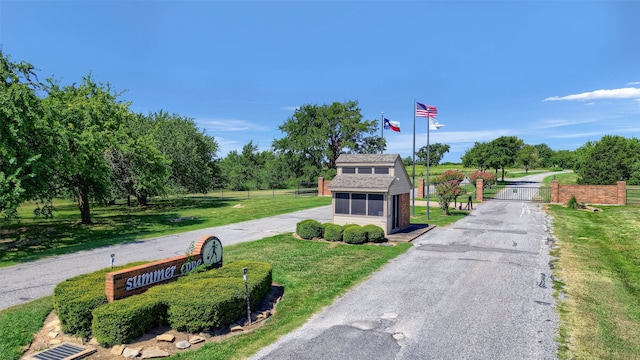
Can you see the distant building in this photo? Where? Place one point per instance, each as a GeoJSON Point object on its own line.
{"type": "Point", "coordinates": [371, 189]}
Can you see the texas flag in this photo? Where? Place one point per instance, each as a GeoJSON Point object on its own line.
{"type": "Point", "coordinates": [391, 125]}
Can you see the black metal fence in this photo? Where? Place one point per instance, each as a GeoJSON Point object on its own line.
{"type": "Point", "coordinates": [633, 196]}
{"type": "Point", "coordinates": [518, 193]}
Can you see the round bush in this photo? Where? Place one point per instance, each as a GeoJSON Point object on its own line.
{"type": "Point", "coordinates": [354, 234]}
{"type": "Point", "coordinates": [374, 233]}
{"type": "Point", "coordinates": [333, 232]}
{"type": "Point", "coordinates": [309, 229]}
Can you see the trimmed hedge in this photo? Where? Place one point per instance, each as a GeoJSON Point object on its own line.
{"type": "Point", "coordinates": [374, 233]}
{"type": "Point", "coordinates": [74, 299]}
{"type": "Point", "coordinates": [200, 301]}
{"type": "Point", "coordinates": [333, 232]}
{"type": "Point", "coordinates": [309, 229]}
{"type": "Point", "coordinates": [354, 234]}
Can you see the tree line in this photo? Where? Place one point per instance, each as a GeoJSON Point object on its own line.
{"type": "Point", "coordinates": [81, 141]}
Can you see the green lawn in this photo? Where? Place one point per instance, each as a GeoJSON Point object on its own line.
{"type": "Point", "coordinates": [598, 282]}
{"type": "Point", "coordinates": [30, 239]}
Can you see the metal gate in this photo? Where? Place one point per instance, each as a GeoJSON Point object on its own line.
{"type": "Point", "coordinates": [633, 196]}
{"type": "Point", "coordinates": [518, 193]}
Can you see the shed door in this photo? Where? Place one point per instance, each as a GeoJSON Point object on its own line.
{"type": "Point", "coordinates": [395, 211]}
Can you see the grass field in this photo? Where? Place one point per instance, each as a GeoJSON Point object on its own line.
{"type": "Point", "coordinates": [598, 282]}
{"type": "Point", "coordinates": [30, 238]}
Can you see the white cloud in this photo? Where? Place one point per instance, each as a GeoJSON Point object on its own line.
{"type": "Point", "coordinates": [622, 93]}
{"type": "Point", "coordinates": [554, 123]}
{"type": "Point", "coordinates": [634, 83]}
{"type": "Point", "coordinates": [229, 125]}
{"type": "Point", "coordinates": [290, 108]}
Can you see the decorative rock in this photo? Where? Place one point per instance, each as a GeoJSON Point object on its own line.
{"type": "Point", "coordinates": [117, 349]}
{"type": "Point", "coordinates": [53, 334]}
{"type": "Point", "coordinates": [165, 337]}
{"type": "Point", "coordinates": [130, 353]}
{"type": "Point", "coordinates": [183, 344]}
{"type": "Point", "coordinates": [153, 352]}
{"type": "Point", "coordinates": [53, 324]}
{"type": "Point", "coordinates": [94, 342]}
{"type": "Point", "coordinates": [237, 328]}
{"type": "Point", "coordinates": [197, 339]}
{"type": "Point", "coordinates": [55, 342]}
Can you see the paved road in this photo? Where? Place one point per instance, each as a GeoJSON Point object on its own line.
{"type": "Point", "coordinates": [24, 282]}
{"type": "Point", "coordinates": [479, 289]}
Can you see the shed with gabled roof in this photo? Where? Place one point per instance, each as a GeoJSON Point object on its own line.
{"type": "Point", "coordinates": [371, 189]}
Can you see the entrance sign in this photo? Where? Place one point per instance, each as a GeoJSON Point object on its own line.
{"type": "Point", "coordinates": [135, 280]}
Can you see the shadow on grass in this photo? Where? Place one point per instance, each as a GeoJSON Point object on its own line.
{"type": "Point", "coordinates": [29, 239]}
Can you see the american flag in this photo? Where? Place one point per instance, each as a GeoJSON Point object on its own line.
{"type": "Point", "coordinates": [423, 110]}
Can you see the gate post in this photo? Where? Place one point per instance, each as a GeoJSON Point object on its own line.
{"type": "Point", "coordinates": [555, 191]}
{"type": "Point", "coordinates": [479, 190]}
{"type": "Point", "coordinates": [622, 192]}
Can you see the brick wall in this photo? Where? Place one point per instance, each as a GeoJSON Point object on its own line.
{"type": "Point", "coordinates": [405, 213]}
{"type": "Point", "coordinates": [590, 194]}
{"type": "Point", "coordinates": [323, 187]}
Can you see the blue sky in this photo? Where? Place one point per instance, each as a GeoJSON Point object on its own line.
{"type": "Point", "coordinates": [561, 73]}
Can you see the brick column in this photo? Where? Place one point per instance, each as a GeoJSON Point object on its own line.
{"type": "Point", "coordinates": [622, 192]}
{"type": "Point", "coordinates": [420, 188]}
{"type": "Point", "coordinates": [555, 191]}
{"type": "Point", "coordinates": [479, 190]}
{"type": "Point", "coordinates": [321, 186]}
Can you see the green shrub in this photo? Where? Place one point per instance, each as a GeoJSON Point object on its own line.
{"type": "Point", "coordinates": [309, 229]}
{"type": "Point", "coordinates": [374, 233]}
{"type": "Point", "coordinates": [75, 298]}
{"type": "Point", "coordinates": [574, 204]}
{"type": "Point", "coordinates": [123, 320]}
{"type": "Point", "coordinates": [333, 232]}
{"type": "Point", "coordinates": [354, 234]}
{"type": "Point", "coordinates": [324, 227]}
{"type": "Point", "coordinates": [200, 301]}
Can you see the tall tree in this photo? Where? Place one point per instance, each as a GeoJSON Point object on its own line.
{"type": "Point", "coordinates": [317, 135]}
{"type": "Point", "coordinates": [565, 159]}
{"type": "Point", "coordinates": [436, 153]}
{"type": "Point", "coordinates": [87, 118]}
{"type": "Point", "coordinates": [25, 138]}
{"type": "Point", "coordinates": [545, 153]}
{"type": "Point", "coordinates": [477, 156]}
{"type": "Point", "coordinates": [192, 153]}
{"type": "Point", "coordinates": [528, 157]}
{"type": "Point", "coordinates": [608, 160]}
{"type": "Point", "coordinates": [503, 152]}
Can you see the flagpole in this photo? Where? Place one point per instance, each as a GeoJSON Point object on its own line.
{"type": "Point", "coordinates": [428, 183]}
{"type": "Point", "coordinates": [382, 134]}
{"type": "Point", "coordinates": [413, 172]}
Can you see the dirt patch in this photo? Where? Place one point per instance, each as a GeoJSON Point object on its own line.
{"type": "Point", "coordinates": [50, 334]}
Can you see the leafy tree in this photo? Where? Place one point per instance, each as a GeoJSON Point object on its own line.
{"type": "Point", "coordinates": [477, 156]}
{"type": "Point", "coordinates": [448, 188]}
{"type": "Point", "coordinates": [528, 157]}
{"type": "Point", "coordinates": [192, 153]}
{"type": "Point", "coordinates": [436, 153]}
{"type": "Point", "coordinates": [25, 138]}
{"type": "Point", "coordinates": [565, 159]}
{"type": "Point", "coordinates": [138, 167]}
{"type": "Point", "coordinates": [545, 153]}
{"type": "Point", "coordinates": [317, 135]}
{"type": "Point", "coordinates": [487, 178]}
{"type": "Point", "coordinates": [86, 119]}
{"type": "Point", "coordinates": [634, 178]}
{"type": "Point", "coordinates": [503, 152]}
{"type": "Point", "coordinates": [608, 160]}
{"type": "Point", "coordinates": [407, 161]}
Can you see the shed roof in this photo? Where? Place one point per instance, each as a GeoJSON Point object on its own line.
{"type": "Point", "coordinates": [359, 181]}
{"type": "Point", "coordinates": [367, 158]}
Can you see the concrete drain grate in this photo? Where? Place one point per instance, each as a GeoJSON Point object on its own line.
{"type": "Point", "coordinates": [64, 351]}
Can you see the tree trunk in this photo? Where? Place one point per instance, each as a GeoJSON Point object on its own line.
{"type": "Point", "coordinates": [502, 174]}
{"type": "Point", "coordinates": [83, 205]}
{"type": "Point", "coordinates": [142, 200]}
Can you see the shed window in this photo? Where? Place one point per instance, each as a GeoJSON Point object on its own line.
{"type": "Point", "coordinates": [365, 170]}
{"type": "Point", "coordinates": [348, 170]}
{"type": "Point", "coordinates": [381, 170]}
{"type": "Point", "coordinates": [358, 204]}
{"type": "Point", "coordinates": [376, 205]}
{"type": "Point", "coordinates": [342, 203]}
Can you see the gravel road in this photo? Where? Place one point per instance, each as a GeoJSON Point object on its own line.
{"type": "Point", "coordinates": [478, 289]}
